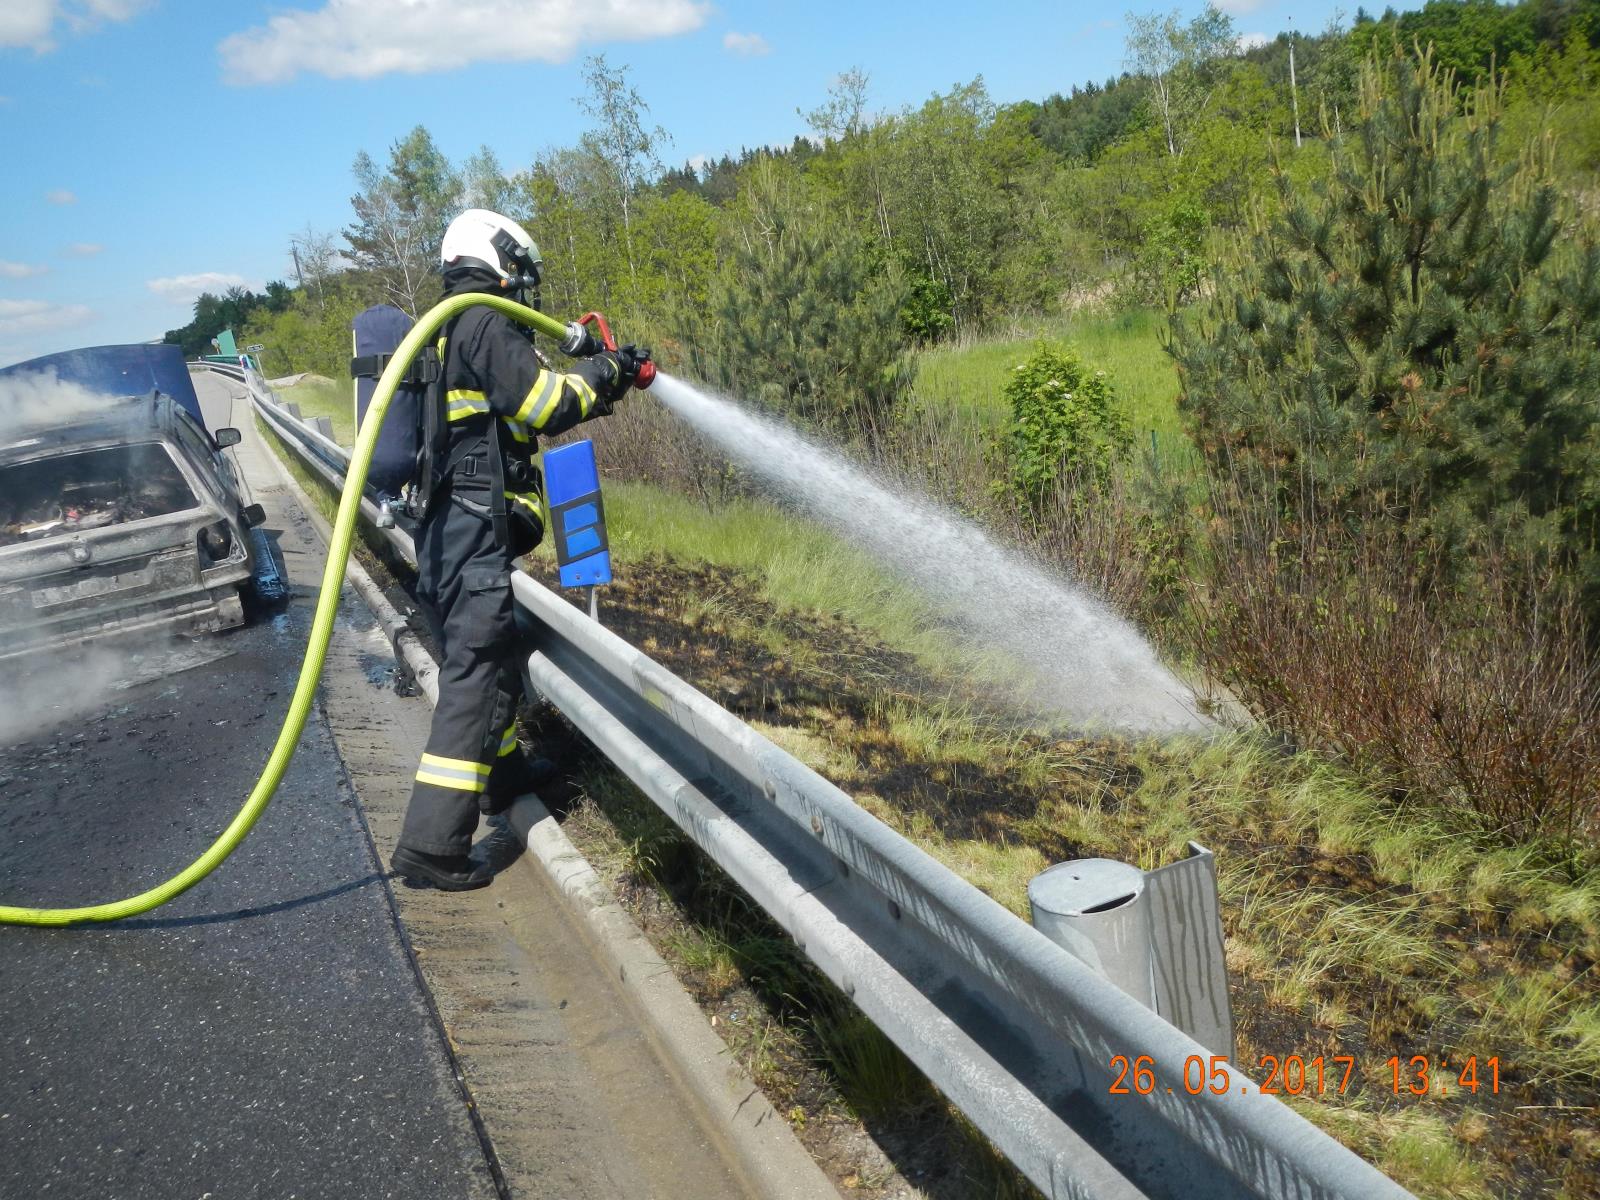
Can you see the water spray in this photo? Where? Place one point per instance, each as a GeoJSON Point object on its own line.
{"type": "Point", "coordinates": [1068, 653]}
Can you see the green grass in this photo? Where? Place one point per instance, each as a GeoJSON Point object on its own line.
{"type": "Point", "coordinates": [800, 564]}
{"type": "Point", "coordinates": [319, 397]}
{"type": "Point", "coordinates": [965, 381]}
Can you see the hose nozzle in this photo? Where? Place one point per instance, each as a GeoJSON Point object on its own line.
{"type": "Point", "coordinates": [580, 342]}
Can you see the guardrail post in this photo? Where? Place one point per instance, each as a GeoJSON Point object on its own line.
{"type": "Point", "coordinates": [1157, 935]}
{"type": "Point", "coordinates": [1095, 910]}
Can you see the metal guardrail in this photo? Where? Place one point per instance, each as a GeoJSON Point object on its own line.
{"type": "Point", "coordinates": [1017, 1033]}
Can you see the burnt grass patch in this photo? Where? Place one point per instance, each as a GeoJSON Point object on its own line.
{"type": "Point", "coordinates": [872, 1120]}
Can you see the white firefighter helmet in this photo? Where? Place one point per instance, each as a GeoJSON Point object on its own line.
{"type": "Point", "coordinates": [480, 238]}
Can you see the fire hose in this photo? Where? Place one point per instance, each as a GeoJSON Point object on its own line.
{"type": "Point", "coordinates": [576, 335]}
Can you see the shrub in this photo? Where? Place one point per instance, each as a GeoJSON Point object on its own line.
{"type": "Point", "coordinates": [1170, 262]}
{"type": "Point", "coordinates": [808, 325]}
{"type": "Point", "coordinates": [1486, 705]}
{"type": "Point", "coordinates": [1064, 424]}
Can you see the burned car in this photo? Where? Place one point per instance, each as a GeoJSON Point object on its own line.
{"type": "Point", "coordinates": [119, 511]}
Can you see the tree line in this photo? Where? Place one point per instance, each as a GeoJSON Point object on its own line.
{"type": "Point", "coordinates": [1382, 291]}
{"type": "Point", "coordinates": [938, 219]}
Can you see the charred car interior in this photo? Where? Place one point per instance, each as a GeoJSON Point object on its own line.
{"type": "Point", "coordinates": [89, 490]}
{"type": "Point", "coordinates": [119, 511]}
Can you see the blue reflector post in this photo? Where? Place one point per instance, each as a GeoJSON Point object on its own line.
{"type": "Point", "coordinates": [577, 515]}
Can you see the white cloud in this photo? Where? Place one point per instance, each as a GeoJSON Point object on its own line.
{"type": "Point", "coordinates": [1249, 41]}
{"type": "Point", "coordinates": [27, 23]}
{"type": "Point", "coordinates": [19, 318]}
{"type": "Point", "coordinates": [84, 249]}
{"type": "Point", "coordinates": [746, 45]}
{"type": "Point", "coordinates": [11, 270]}
{"type": "Point", "coordinates": [699, 162]}
{"type": "Point", "coordinates": [361, 39]}
{"type": "Point", "coordinates": [61, 196]}
{"type": "Point", "coordinates": [32, 23]}
{"type": "Point", "coordinates": [1237, 8]}
{"type": "Point", "coordinates": [185, 289]}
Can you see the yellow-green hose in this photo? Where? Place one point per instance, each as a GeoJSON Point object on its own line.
{"type": "Point", "coordinates": [294, 720]}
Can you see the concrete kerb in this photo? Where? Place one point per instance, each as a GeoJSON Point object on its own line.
{"type": "Point", "coordinates": [765, 1147]}
{"type": "Point", "coordinates": [772, 1157]}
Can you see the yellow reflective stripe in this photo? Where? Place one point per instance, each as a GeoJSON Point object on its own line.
{"type": "Point", "coordinates": [439, 345]}
{"type": "Point", "coordinates": [586, 397]}
{"type": "Point", "coordinates": [519, 431]}
{"type": "Point", "coordinates": [461, 403]}
{"type": "Point", "coordinates": [454, 783]}
{"type": "Point", "coordinates": [544, 393]}
{"type": "Point", "coordinates": [456, 764]}
{"type": "Point", "coordinates": [458, 774]}
{"type": "Point", "coordinates": [508, 741]}
{"type": "Point", "coordinates": [530, 500]}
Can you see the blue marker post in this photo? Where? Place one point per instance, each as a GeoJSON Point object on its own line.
{"type": "Point", "coordinates": [578, 518]}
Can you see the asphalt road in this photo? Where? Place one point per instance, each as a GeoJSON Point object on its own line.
{"type": "Point", "coordinates": [265, 1034]}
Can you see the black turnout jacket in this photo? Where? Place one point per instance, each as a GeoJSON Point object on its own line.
{"type": "Point", "coordinates": [496, 386]}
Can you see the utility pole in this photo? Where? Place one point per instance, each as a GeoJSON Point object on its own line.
{"type": "Point", "coordinates": [1294, 94]}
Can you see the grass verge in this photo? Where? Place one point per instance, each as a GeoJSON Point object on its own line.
{"type": "Point", "coordinates": [1355, 927]}
{"type": "Point", "coordinates": [319, 397]}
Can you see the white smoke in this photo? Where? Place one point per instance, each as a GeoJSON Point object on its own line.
{"type": "Point", "coordinates": [38, 400]}
{"type": "Point", "coordinates": [65, 686]}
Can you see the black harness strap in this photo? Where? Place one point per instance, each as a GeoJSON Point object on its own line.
{"type": "Point", "coordinates": [424, 368]}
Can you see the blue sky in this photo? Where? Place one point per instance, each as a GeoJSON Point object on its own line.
{"type": "Point", "coordinates": [156, 147]}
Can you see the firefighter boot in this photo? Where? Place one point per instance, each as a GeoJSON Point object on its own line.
{"type": "Point", "coordinates": [448, 872]}
{"type": "Point", "coordinates": [513, 776]}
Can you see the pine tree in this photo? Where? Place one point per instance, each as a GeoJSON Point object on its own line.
{"type": "Point", "coordinates": [1414, 338]}
{"type": "Point", "coordinates": [808, 317]}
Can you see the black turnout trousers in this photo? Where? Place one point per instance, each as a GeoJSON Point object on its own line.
{"type": "Point", "coordinates": [472, 754]}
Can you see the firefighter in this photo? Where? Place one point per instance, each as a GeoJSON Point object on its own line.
{"type": "Point", "coordinates": [485, 510]}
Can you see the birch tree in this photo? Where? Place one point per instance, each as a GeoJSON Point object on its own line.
{"type": "Point", "coordinates": [401, 213]}
{"type": "Point", "coordinates": [622, 147]}
{"type": "Point", "coordinates": [1177, 59]}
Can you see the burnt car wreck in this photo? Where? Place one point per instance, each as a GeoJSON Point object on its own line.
{"type": "Point", "coordinates": [119, 512]}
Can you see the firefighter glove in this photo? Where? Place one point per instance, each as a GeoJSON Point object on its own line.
{"type": "Point", "coordinates": [622, 366]}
